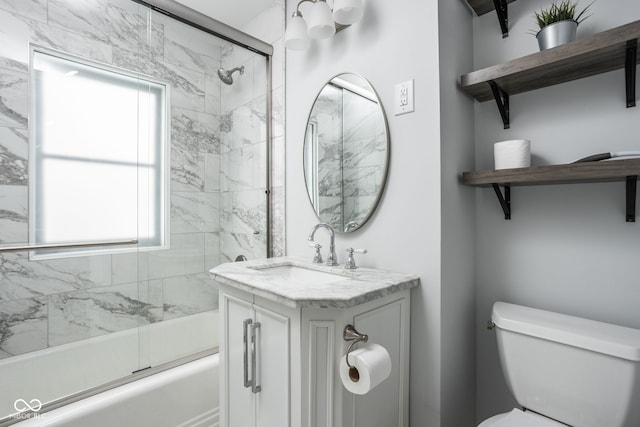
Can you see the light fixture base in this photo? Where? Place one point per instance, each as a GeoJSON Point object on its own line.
{"type": "Point", "coordinates": [340, 27]}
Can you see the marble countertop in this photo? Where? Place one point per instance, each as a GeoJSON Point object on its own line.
{"type": "Point", "coordinates": [357, 287]}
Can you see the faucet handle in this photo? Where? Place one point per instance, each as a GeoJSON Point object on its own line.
{"type": "Point", "coordinates": [317, 257]}
{"type": "Point", "coordinates": [351, 261]}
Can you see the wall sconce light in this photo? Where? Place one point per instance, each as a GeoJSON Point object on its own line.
{"type": "Point", "coordinates": [320, 22]}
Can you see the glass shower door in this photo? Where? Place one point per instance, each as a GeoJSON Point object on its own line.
{"type": "Point", "coordinates": [244, 159]}
{"type": "Point", "coordinates": [81, 196]}
{"type": "Point", "coordinates": [61, 306]}
{"type": "Point", "coordinates": [133, 135]}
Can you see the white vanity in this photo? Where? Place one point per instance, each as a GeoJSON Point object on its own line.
{"type": "Point", "coordinates": [281, 343]}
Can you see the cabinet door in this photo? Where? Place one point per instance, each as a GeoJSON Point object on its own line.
{"type": "Point", "coordinates": [238, 400]}
{"type": "Point", "coordinates": [273, 403]}
{"type": "Point", "coordinates": [386, 405]}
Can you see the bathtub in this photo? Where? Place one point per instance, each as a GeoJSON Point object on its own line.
{"type": "Point", "coordinates": [184, 396]}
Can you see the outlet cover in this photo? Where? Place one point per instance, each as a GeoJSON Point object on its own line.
{"type": "Point", "coordinates": [403, 98]}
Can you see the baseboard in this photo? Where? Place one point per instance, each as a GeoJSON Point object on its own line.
{"type": "Point", "coordinates": [208, 419]}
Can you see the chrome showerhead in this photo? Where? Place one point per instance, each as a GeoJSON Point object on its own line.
{"type": "Point", "coordinates": [227, 76]}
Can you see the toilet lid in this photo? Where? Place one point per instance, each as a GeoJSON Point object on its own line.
{"type": "Point", "coordinates": [518, 418]}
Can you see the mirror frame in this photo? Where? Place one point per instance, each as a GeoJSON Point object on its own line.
{"type": "Point", "coordinates": [385, 174]}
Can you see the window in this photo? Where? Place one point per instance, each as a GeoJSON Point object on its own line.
{"type": "Point", "coordinates": [98, 157]}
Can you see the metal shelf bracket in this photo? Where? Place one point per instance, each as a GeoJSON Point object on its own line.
{"type": "Point", "coordinates": [502, 10]}
{"type": "Point", "coordinates": [630, 72]}
{"type": "Point", "coordinates": [502, 100]}
{"type": "Point", "coordinates": [631, 198]}
{"type": "Point", "coordinates": [505, 201]}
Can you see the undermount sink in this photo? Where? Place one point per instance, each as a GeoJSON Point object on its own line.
{"type": "Point", "coordinates": [300, 274]}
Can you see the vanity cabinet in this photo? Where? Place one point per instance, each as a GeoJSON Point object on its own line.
{"type": "Point", "coordinates": [386, 322]}
{"type": "Point", "coordinates": [255, 359]}
{"type": "Point", "coordinates": [294, 346]}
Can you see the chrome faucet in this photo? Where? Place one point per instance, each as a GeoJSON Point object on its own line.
{"type": "Point", "coordinates": [332, 259]}
{"type": "Point", "coordinates": [351, 261]}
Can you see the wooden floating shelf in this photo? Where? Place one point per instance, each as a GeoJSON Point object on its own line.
{"type": "Point", "coordinates": [480, 7]}
{"type": "Point", "coordinates": [589, 56]}
{"type": "Point", "coordinates": [581, 58]}
{"type": "Point", "coordinates": [604, 171]}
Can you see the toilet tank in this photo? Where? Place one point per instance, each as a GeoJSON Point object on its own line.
{"type": "Point", "coordinates": [580, 372]}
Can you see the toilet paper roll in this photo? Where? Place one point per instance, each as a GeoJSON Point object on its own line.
{"type": "Point", "coordinates": [515, 153]}
{"type": "Point", "coordinates": [373, 365]}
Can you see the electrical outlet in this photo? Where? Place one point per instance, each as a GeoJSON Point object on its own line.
{"type": "Point", "coordinates": [403, 98]}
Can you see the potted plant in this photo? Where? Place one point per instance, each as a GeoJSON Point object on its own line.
{"type": "Point", "coordinates": [559, 23]}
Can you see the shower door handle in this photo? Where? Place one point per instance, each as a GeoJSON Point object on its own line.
{"type": "Point", "coordinates": [255, 355]}
{"type": "Point", "coordinates": [245, 342]}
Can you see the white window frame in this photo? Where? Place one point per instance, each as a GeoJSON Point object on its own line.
{"type": "Point", "coordinates": [162, 165]}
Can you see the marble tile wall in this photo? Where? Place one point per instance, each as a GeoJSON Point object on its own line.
{"type": "Point", "coordinates": [243, 201]}
{"type": "Point", "coordinates": [327, 115]}
{"type": "Point", "coordinates": [217, 171]}
{"type": "Point", "coordinates": [243, 171]}
{"type": "Point", "coordinates": [364, 156]}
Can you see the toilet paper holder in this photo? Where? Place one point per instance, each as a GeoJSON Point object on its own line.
{"type": "Point", "coordinates": [351, 334]}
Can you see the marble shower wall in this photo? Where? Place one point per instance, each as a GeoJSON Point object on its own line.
{"type": "Point", "coordinates": [243, 201]}
{"type": "Point", "coordinates": [364, 155]}
{"type": "Point", "coordinates": [328, 119]}
{"type": "Point", "coordinates": [242, 158]}
{"type": "Point", "coordinates": [47, 303]}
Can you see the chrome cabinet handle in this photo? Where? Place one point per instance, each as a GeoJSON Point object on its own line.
{"type": "Point", "coordinates": [245, 343]}
{"type": "Point", "coordinates": [255, 354]}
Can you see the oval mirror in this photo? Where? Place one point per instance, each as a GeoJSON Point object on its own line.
{"type": "Point", "coordinates": [346, 152]}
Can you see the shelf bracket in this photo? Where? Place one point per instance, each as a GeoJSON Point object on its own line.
{"type": "Point", "coordinates": [502, 99]}
{"type": "Point", "coordinates": [631, 198]}
{"type": "Point", "coordinates": [502, 10]}
{"type": "Point", "coordinates": [505, 201]}
{"type": "Point", "coordinates": [630, 71]}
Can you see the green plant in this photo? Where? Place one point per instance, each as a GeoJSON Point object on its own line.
{"type": "Point", "coordinates": [564, 10]}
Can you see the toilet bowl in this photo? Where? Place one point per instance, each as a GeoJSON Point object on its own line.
{"type": "Point", "coordinates": [565, 370]}
{"type": "Point", "coordinates": [518, 418]}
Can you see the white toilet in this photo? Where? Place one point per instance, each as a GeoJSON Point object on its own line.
{"type": "Point", "coordinates": [565, 370]}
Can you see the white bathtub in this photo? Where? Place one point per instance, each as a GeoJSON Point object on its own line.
{"type": "Point", "coordinates": [183, 396]}
{"type": "Point", "coordinates": [186, 396]}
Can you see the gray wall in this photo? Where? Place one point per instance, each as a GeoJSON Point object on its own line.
{"type": "Point", "coordinates": [458, 219]}
{"type": "Point", "coordinates": [567, 247]}
{"type": "Point", "coordinates": [394, 42]}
